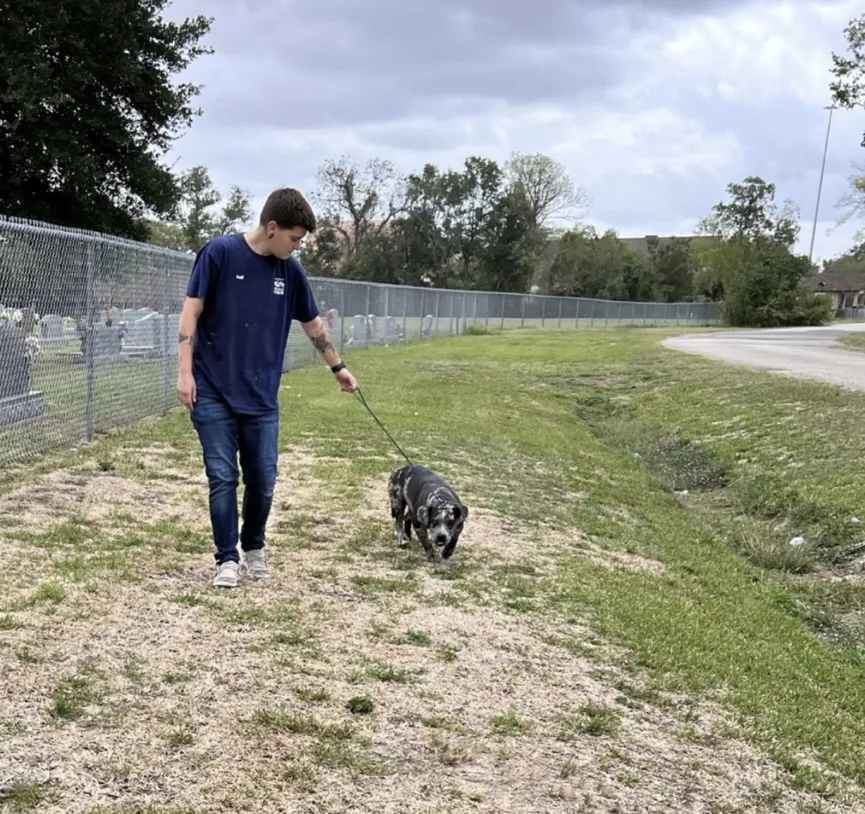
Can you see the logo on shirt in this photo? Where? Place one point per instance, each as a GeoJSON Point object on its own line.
{"type": "Point", "coordinates": [279, 287]}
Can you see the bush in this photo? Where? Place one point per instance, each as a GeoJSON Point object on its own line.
{"type": "Point", "coordinates": [764, 289]}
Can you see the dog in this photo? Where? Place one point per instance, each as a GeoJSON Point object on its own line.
{"type": "Point", "coordinates": [420, 498]}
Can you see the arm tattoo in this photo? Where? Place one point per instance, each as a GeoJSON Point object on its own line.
{"type": "Point", "coordinates": [322, 343]}
{"type": "Point", "coordinates": [185, 338]}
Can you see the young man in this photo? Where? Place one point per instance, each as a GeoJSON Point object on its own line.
{"type": "Point", "coordinates": [242, 295]}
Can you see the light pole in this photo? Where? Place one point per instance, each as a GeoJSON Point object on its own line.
{"type": "Point", "coordinates": [830, 108]}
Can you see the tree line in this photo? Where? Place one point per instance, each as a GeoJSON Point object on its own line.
{"type": "Point", "coordinates": [84, 133]}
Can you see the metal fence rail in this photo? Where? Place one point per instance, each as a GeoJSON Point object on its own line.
{"type": "Point", "coordinates": [89, 325]}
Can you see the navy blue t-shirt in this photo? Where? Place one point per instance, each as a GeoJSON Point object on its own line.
{"type": "Point", "coordinates": [249, 303]}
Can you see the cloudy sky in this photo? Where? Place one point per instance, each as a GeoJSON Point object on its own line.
{"type": "Point", "coordinates": [652, 105]}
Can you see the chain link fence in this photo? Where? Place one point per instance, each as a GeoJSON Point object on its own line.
{"type": "Point", "coordinates": [89, 326]}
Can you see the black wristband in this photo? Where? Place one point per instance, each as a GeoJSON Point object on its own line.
{"type": "Point", "coordinates": [337, 368]}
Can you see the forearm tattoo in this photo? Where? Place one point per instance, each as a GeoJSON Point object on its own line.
{"type": "Point", "coordinates": [322, 343]}
{"type": "Point", "coordinates": [185, 338]}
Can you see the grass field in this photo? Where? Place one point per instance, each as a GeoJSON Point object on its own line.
{"type": "Point", "coordinates": [625, 626]}
{"type": "Point", "coordinates": [127, 390]}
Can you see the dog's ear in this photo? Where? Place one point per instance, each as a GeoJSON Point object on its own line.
{"type": "Point", "coordinates": [423, 515]}
{"type": "Point", "coordinates": [462, 512]}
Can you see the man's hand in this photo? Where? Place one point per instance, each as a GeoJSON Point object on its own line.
{"type": "Point", "coordinates": [346, 381]}
{"type": "Point", "coordinates": [186, 390]}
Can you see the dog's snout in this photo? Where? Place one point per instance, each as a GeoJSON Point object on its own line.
{"type": "Point", "coordinates": [441, 539]}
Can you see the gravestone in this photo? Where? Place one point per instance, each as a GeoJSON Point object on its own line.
{"type": "Point", "coordinates": [333, 321]}
{"type": "Point", "coordinates": [17, 401]}
{"type": "Point", "coordinates": [389, 330]}
{"type": "Point", "coordinates": [107, 345]}
{"type": "Point", "coordinates": [358, 330]}
{"type": "Point", "coordinates": [142, 336]}
{"type": "Point", "coordinates": [52, 330]}
{"type": "Point", "coordinates": [106, 342]}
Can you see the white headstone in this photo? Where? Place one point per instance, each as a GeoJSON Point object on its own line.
{"type": "Point", "coordinates": [52, 329]}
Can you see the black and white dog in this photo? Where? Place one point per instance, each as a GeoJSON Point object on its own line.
{"type": "Point", "coordinates": [420, 498]}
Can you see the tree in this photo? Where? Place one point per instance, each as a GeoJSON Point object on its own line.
{"type": "Point", "coordinates": [674, 273]}
{"type": "Point", "coordinates": [589, 265]}
{"type": "Point", "coordinates": [365, 199]}
{"type": "Point", "coordinates": [848, 87]}
{"type": "Point", "coordinates": [752, 213]}
{"type": "Point", "coordinates": [322, 252]}
{"type": "Point", "coordinates": [236, 213]}
{"type": "Point", "coordinates": [166, 235]}
{"type": "Point", "coordinates": [194, 220]}
{"type": "Point", "coordinates": [507, 261]}
{"type": "Point", "coordinates": [546, 185]}
{"type": "Point", "coordinates": [88, 108]}
{"type": "Point", "coordinates": [198, 196]}
{"type": "Point", "coordinates": [747, 263]}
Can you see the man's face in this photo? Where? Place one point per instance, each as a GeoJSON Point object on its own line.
{"type": "Point", "coordinates": [285, 241]}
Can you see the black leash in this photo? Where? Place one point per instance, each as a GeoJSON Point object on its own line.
{"type": "Point", "coordinates": [363, 401]}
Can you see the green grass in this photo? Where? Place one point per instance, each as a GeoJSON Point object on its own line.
{"type": "Point", "coordinates": [524, 422]}
{"type": "Point", "coordinates": [853, 340]}
{"type": "Point", "coordinates": [708, 469]}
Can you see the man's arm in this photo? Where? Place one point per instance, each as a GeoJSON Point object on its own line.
{"type": "Point", "coordinates": [318, 335]}
{"type": "Point", "coordinates": [192, 308]}
{"type": "Point", "coordinates": [186, 391]}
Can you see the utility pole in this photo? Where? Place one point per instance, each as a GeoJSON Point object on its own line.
{"type": "Point", "coordinates": [830, 108]}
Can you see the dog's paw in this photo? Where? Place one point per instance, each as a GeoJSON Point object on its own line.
{"type": "Point", "coordinates": [402, 541]}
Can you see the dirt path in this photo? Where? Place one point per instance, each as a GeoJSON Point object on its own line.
{"type": "Point", "coordinates": [129, 683]}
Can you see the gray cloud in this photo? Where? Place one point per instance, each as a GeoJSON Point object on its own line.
{"type": "Point", "coordinates": [319, 63]}
{"type": "Point", "coordinates": [303, 72]}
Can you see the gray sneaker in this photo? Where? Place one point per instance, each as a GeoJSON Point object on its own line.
{"type": "Point", "coordinates": [227, 575]}
{"type": "Point", "coordinates": [256, 564]}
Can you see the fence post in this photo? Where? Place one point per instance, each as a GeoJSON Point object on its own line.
{"type": "Point", "coordinates": [561, 303]}
{"type": "Point", "coordinates": [475, 309]}
{"type": "Point", "coordinates": [366, 336]}
{"type": "Point", "coordinates": [577, 315]}
{"type": "Point", "coordinates": [543, 310]}
{"type": "Point", "coordinates": [341, 319]}
{"type": "Point", "coordinates": [503, 301]}
{"type": "Point", "coordinates": [438, 308]}
{"type": "Point", "coordinates": [89, 263]}
{"type": "Point", "coordinates": [523, 312]}
{"type": "Point", "coordinates": [166, 359]}
{"type": "Point", "coordinates": [404, 314]}
{"type": "Point", "coordinates": [465, 313]}
{"type": "Point", "coordinates": [607, 313]}
{"type": "Point", "coordinates": [422, 314]}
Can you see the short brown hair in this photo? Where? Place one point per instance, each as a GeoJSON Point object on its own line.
{"type": "Point", "coordinates": [288, 208]}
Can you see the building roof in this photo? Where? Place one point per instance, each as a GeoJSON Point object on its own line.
{"type": "Point", "coordinates": [844, 281]}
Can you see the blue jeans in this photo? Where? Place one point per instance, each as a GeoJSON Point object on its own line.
{"type": "Point", "coordinates": [224, 434]}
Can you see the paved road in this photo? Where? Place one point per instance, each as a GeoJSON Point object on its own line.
{"type": "Point", "coordinates": [808, 353]}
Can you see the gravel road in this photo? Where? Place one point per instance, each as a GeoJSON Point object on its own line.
{"type": "Point", "coordinates": [807, 353]}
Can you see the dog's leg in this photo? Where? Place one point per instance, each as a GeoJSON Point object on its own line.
{"type": "Point", "coordinates": [402, 525]}
{"type": "Point", "coordinates": [424, 541]}
{"type": "Point", "coordinates": [398, 513]}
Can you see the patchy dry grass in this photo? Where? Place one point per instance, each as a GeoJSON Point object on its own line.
{"type": "Point", "coordinates": [597, 644]}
